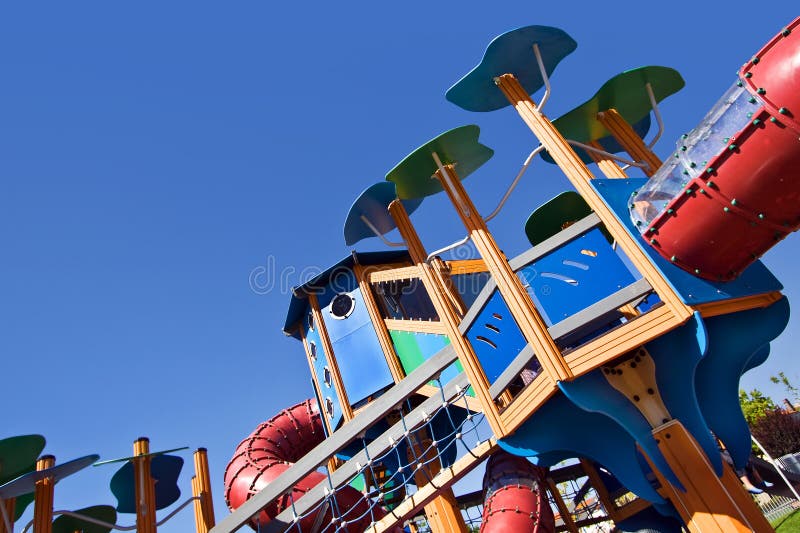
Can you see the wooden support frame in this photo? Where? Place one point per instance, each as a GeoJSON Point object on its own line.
{"type": "Point", "coordinates": [336, 375]}
{"type": "Point", "coordinates": [145, 487]}
{"type": "Point", "coordinates": [466, 266]}
{"type": "Point", "coordinates": [629, 140]}
{"type": "Point", "coordinates": [43, 497]}
{"type": "Point", "coordinates": [607, 166]}
{"type": "Point", "coordinates": [600, 489]}
{"type": "Point", "coordinates": [201, 489]}
{"type": "Point", "coordinates": [10, 505]}
{"type": "Point", "coordinates": [418, 326]}
{"type": "Point", "coordinates": [734, 305]}
{"type": "Point", "coordinates": [566, 516]}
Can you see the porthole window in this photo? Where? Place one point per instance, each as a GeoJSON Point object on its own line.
{"type": "Point", "coordinates": [342, 305]}
{"type": "Point", "coordinates": [310, 321]}
{"type": "Point", "coordinates": [326, 376]}
{"type": "Point", "coordinates": [329, 407]}
{"type": "Point", "coordinates": [312, 350]}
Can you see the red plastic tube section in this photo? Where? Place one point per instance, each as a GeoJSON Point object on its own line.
{"type": "Point", "coordinates": [516, 497]}
{"type": "Point", "coordinates": [270, 450]}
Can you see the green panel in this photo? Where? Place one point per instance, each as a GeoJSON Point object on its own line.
{"type": "Point", "coordinates": [624, 92]}
{"type": "Point", "coordinates": [70, 524]}
{"type": "Point", "coordinates": [407, 349]}
{"type": "Point", "coordinates": [459, 147]}
{"type": "Point", "coordinates": [18, 455]}
{"type": "Point", "coordinates": [557, 214]}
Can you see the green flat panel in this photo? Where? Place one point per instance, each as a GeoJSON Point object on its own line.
{"type": "Point", "coordinates": [624, 92]}
{"type": "Point", "coordinates": [555, 215]}
{"type": "Point", "coordinates": [609, 144]}
{"type": "Point", "coordinates": [511, 53]}
{"type": "Point", "coordinates": [18, 455]}
{"type": "Point", "coordinates": [459, 147]}
{"type": "Point", "coordinates": [407, 349]}
{"type": "Point", "coordinates": [70, 524]}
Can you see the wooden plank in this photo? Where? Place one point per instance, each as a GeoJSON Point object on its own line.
{"type": "Point", "coordinates": [466, 266]}
{"type": "Point", "coordinates": [631, 508]}
{"type": "Point", "coordinates": [528, 401]}
{"type": "Point", "coordinates": [629, 140]}
{"type": "Point", "coordinates": [419, 326]}
{"type": "Point", "coordinates": [444, 479]}
{"type": "Point", "coordinates": [393, 274]}
{"type": "Point", "coordinates": [734, 305]}
{"type": "Point", "coordinates": [330, 356]}
{"type": "Point", "coordinates": [607, 166]}
{"type": "Point", "coordinates": [430, 391]}
{"type": "Point", "coordinates": [622, 339]}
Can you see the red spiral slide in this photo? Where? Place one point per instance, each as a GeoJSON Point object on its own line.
{"type": "Point", "coordinates": [270, 450]}
{"type": "Point", "coordinates": [516, 497]}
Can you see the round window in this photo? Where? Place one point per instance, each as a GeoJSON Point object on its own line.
{"type": "Point", "coordinates": [310, 321]}
{"type": "Point", "coordinates": [326, 375]}
{"type": "Point", "coordinates": [312, 349]}
{"type": "Point", "coordinates": [342, 305]}
{"type": "Point", "coordinates": [329, 407]}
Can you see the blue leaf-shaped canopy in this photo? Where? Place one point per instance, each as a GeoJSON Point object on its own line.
{"type": "Point", "coordinates": [511, 53]}
{"type": "Point", "coordinates": [373, 204]}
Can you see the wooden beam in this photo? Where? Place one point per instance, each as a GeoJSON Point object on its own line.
{"type": "Point", "coordinates": [629, 140]}
{"type": "Point", "coordinates": [466, 266]}
{"type": "Point", "coordinates": [566, 516]}
{"type": "Point", "coordinates": [417, 326]}
{"type": "Point", "coordinates": [393, 274]}
{"type": "Point", "coordinates": [203, 481]}
{"type": "Point", "coordinates": [43, 497]}
{"type": "Point", "coordinates": [607, 166]}
{"type": "Point", "coordinates": [734, 305]}
{"type": "Point", "coordinates": [145, 487]}
{"type": "Point", "coordinates": [600, 489]}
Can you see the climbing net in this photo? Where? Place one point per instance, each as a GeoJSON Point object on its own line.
{"type": "Point", "coordinates": [579, 499]}
{"type": "Point", "coordinates": [425, 437]}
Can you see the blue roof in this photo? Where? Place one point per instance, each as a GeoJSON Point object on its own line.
{"type": "Point", "coordinates": [297, 304]}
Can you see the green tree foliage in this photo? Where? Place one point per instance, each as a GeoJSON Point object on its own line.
{"type": "Point", "coordinates": [755, 405]}
{"type": "Point", "coordinates": [791, 391]}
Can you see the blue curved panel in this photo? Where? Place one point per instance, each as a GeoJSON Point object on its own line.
{"type": "Point", "coordinates": [559, 429]}
{"type": "Point", "coordinates": [737, 342]}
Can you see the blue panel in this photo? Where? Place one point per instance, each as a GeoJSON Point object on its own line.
{"type": "Point", "coordinates": [495, 337]}
{"type": "Point", "coordinates": [756, 279]}
{"type": "Point", "coordinates": [431, 344]}
{"type": "Point", "coordinates": [676, 356]}
{"type": "Point", "coordinates": [737, 342]}
{"type": "Point", "coordinates": [320, 364]}
{"type": "Point", "coordinates": [594, 393]}
{"type": "Point", "coordinates": [165, 470]}
{"type": "Point", "coordinates": [560, 426]}
{"type": "Point", "coordinates": [362, 364]}
{"type": "Point", "coordinates": [576, 275]}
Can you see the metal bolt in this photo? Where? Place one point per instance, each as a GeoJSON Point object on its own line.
{"type": "Point", "coordinates": [755, 60]}
{"type": "Point", "coordinates": [653, 241]}
{"type": "Point", "coordinates": [786, 32]}
{"type": "Point", "coordinates": [683, 148]}
{"type": "Point", "coordinates": [692, 164]}
{"type": "Point", "coordinates": [739, 83]}
{"type": "Point", "coordinates": [710, 170]}
{"type": "Point", "coordinates": [761, 216]}
{"type": "Point", "coordinates": [732, 147]}
{"type": "Point", "coordinates": [710, 183]}
{"type": "Point", "coordinates": [670, 211]}
{"type": "Point", "coordinates": [773, 120]}
{"type": "Point", "coordinates": [752, 100]}
{"type": "Point", "coordinates": [673, 258]}
{"type": "Point", "coordinates": [726, 209]}
{"type": "Point", "coordinates": [761, 90]}
{"type": "Point", "coordinates": [636, 398]}
{"type": "Point", "coordinates": [696, 270]}
{"type": "Point", "coordinates": [748, 74]}
{"type": "Point", "coordinates": [783, 110]}
{"type": "Point", "coordinates": [734, 202]}
{"type": "Point", "coordinates": [756, 122]}
{"type": "Point", "coordinates": [650, 391]}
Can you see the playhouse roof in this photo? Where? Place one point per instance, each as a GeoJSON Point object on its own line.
{"type": "Point", "coordinates": [297, 304]}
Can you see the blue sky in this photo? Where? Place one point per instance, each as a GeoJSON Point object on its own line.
{"type": "Point", "coordinates": [154, 156]}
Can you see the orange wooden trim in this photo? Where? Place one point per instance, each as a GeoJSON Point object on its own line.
{"type": "Point", "coordinates": [203, 480]}
{"type": "Point", "coordinates": [738, 304]}
{"type": "Point", "coordinates": [418, 326]}
{"type": "Point", "coordinates": [393, 274]}
{"type": "Point", "coordinates": [566, 516]}
{"type": "Point", "coordinates": [706, 495]}
{"type": "Point", "coordinates": [608, 167]}
{"type": "Point", "coordinates": [145, 487]}
{"type": "Point", "coordinates": [466, 266]}
{"type": "Point", "coordinates": [580, 176]}
{"type": "Point", "coordinates": [629, 140]}
{"type": "Point", "coordinates": [199, 523]}
{"type": "Point", "coordinates": [43, 497]}
{"type": "Point", "coordinates": [623, 339]}
{"type": "Point", "coordinates": [336, 376]}
{"type": "Point", "coordinates": [10, 505]}
{"type": "Point", "coordinates": [384, 339]}
{"type": "Point", "coordinates": [600, 489]}
{"type": "Point", "coordinates": [528, 401]}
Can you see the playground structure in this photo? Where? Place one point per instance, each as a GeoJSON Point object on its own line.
{"type": "Point", "coordinates": [617, 341]}
{"type": "Point", "coordinates": [597, 371]}
{"type": "Point", "coordinates": [144, 484]}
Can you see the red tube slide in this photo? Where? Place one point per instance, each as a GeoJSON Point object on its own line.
{"type": "Point", "coordinates": [270, 450]}
{"type": "Point", "coordinates": [516, 497]}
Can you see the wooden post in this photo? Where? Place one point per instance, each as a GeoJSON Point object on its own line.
{"type": "Point", "coordinates": [43, 497]}
{"type": "Point", "coordinates": [608, 167]}
{"type": "Point", "coordinates": [600, 489]}
{"type": "Point", "coordinates": [443, 514]}
{"type": "Point", "coordinates": [199, 523]}
{"type": "Point", "coordinates": [204, 487]}
{"type": "Point", "coordinates": [10, 508]}
{"type": "Point", "coordinates": [562, 507]}
{"type": "Point", "coordinates": [145, 487]}
{"type": "Point", "coordinates": [336, 376]}
{"type": "Point", "coordinates": [629, 140]}
{"type": "Point", "coordinates": [708, 503]}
